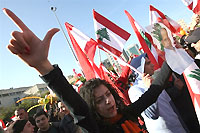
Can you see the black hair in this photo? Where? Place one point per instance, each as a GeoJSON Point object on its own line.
{"type": "Point", "coordinates": [19, 126]}
{"type": "Point", "coordinates": [39, 113]}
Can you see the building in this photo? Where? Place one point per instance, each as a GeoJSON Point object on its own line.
{"type": "Point", "coordinates": [10, 96]}
{"type": "Point", "coordinates": [133, 49]}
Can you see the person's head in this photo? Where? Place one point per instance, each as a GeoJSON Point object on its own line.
{"type": "Point", "coordinates": [194, 39]}
{"type": "Point", "coordinates": [101, 98]}
{"type": "Point", "coordinates": [21, 114]}
{"type": "Point", "coordinates": [63, 108]}
{"type": "Point", "coordinates": [21, 126]}
{"type": "Point", "coordinates": [42, 120]}
{"type": "Point", "coordinates": [165, 38]}
{"type": "Point", "coordinates": [143, 64]}
{"type": "Point", "coordinates": [187, 47]}
{"type": "Point", "coordinates": [148, 67]}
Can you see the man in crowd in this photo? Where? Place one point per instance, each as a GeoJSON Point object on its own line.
{"type": "Point", "coordinates": [159, 117]}
{"type": "Point", "coordinates": [22, 114]}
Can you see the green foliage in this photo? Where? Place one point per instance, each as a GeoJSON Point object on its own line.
{"type": "Point", "coordinates": [7, 112]}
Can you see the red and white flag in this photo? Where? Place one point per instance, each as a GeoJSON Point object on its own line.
{"type": "Point", "coordinates": [157, 16]}
{"type": "Point", "coordinates": [13, 118]}
{"type": "Point", "coordinates": [192, 78]}
{"type": "Point", "coordinates": [109, 35]}
{"type": "Point", "coordinates": [146, 42]}
{"type": "Point", "coordinates": [193, 5]}
{"type": "Point", "coordinates": [2, 124]}
{"type": "Point", "coordinates": [79, 40]}
{"type": "Point", "coordinates": [88, 45]}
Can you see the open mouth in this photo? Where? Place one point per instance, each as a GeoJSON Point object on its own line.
{"type": "Point", "coordinates": [111, 109]}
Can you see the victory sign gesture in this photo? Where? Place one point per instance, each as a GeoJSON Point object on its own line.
{"type": "Point", "coordinates": [29, 47]}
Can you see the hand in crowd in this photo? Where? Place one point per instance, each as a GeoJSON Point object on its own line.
{"type": "Point", "coordinates": [29, 47]}
{"type": "Point", "coordinates": [147, 79]}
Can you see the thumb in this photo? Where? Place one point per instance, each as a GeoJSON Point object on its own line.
{"type": "Point", "coordinates": [49, 35]}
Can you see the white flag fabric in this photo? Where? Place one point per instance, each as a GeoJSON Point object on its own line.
{"type": "Point", "coordinates": [192, 78]}
{"type": "Point", "coordinates": [193, 5]}
{"type": "Point", "coordinates": [157, 16]}
{"type": "Point", "coordinates": [109, 35]}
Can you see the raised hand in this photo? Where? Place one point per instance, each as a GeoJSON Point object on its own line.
{"type": "Point", "coordinates": [147, 79]}
{"type": "Point", "coordinates": [28, 46]}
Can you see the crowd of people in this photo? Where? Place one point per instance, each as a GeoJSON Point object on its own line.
{"type": "Point", "coordinates": [158, 99]}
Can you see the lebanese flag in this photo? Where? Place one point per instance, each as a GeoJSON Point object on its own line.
{"type": "Point", "coordinates": [192, 78]}
{"type": "Point", "coordinates": [109, 35]}
{"type": "Point", "coordinates": [157, 16]}
{"type": "Point", "coordinates": [2, 124]}
{"type": "Point", "coordinates": [146, 42]}
{"type": "Point", "coordinates": [88, 45]}
{"type": "Point", "coordinates": [193, 5]}
{"type": "Point", "coordinates": [77, 41]}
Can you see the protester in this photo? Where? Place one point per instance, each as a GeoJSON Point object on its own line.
{"type": "Point", "coordinates": [34, 52]}
{"type": "Point", "coordinates": [22, 114]}
{"type": "Point", "coordinates": [160, 116]}
{"type": "Point", "coordinates": [65, 126]}
{"type": "Point", "coordinates": [194, 39]}
{"type": "Point", "coordinates": [63, 110]}
{"type": "Point", "coordinates": [21, 126]}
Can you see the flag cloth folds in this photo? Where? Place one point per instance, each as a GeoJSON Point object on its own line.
{"type": "Point", "coordinates": [193, 5]}
{"type": "Point", "coordinates": [157, 16]}
{"type": "Point", "coordinates": [109, 35]}
{"type": "Point", "coordinates": [192, 78]}
{"type": "Point", "coordinates": [88, 45]}
{"type": "Point", "coordinates": [145, 41]}
{"type": "Point", "coordinates": [79, 40]}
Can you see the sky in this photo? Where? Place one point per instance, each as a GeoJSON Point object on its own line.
{"type": "Point", "coordinates": [37, 15]}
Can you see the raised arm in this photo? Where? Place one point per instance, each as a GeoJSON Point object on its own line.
{"type": "Point", "coordinates": [34, 52]}
{"type": "Point", "coordinates": [29, 47]}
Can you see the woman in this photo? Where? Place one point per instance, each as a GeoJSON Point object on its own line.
{"type": "Point", "coordinates": [112, 117]}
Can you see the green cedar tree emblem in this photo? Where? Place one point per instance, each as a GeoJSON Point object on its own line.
{"type": "Point", "coordinates": [146, 39]}
{"type": "Point", "coordinates": [196, 74]}
{"type": "Point", "coordinates": [103, 34]}
{"type": "Point", "coordinates": [156, 33]}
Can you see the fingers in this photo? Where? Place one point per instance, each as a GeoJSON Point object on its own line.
{"type": "Point", "coordinates": [13, 49]}
{"type": "Point", "coordinates": [49, 35]}
{"type": "Point", "coordinates": [15, 19]}
{"type": "Point", "coordinates": [16, 48]}
{"type": "Point", "coordinates": [18, 37]}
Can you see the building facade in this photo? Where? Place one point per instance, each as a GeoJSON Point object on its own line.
{"type": "Point", "coordinates": [10, 96]}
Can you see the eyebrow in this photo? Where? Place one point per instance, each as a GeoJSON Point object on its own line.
{"type": "Point", "coordinates": [102, 95]}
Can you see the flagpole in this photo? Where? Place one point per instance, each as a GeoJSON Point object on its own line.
{"type": "Point", "coordinates": [99, 56]}
{"type": "Point", "coordinates": [54, 11]}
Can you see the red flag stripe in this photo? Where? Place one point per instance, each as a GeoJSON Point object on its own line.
{"type": "Point", "coordinates": [111, 49]}
{"type": "Point", "coordinates": [111, 26]}
{"type": "Point", "coordinates": [142, 41]}
{"type": "Point", "coordinates": [159, 12]}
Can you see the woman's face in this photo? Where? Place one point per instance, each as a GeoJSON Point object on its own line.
{"type": "Point", "coordinates": [28, 128]}
{"type": "Point", "coordinates": [104, 102]}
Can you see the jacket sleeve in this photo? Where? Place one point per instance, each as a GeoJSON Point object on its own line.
{"type": "Point", "coordinates": [152, 111]}
{"type": "Point", "coordinates": [150, 96]}
{"type": "Point", "coordinates": [58, 83]}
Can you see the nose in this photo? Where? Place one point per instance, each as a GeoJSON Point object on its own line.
{"type": "Point", "coordinates": [107, 101]}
